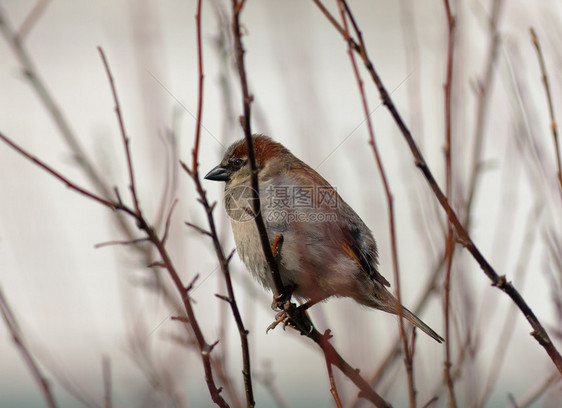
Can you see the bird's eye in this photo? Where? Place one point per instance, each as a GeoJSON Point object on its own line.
{"type": "Point", "coordinates": [237, 161]}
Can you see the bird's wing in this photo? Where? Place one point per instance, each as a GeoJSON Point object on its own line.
{"type": "Point", "coordinates": [356, 239]}
{"type": "Point", "coordinates": [363, 251]}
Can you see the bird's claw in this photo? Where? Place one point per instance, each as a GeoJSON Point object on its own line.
{"type": "Point", "coordinates": [281, 317]}
{"type": "Point", "coordinates": [294, 317]}
{"type": "Point", "coordinates": [278, 303]}
{"type": "Point", "coordinates": [282, 300]}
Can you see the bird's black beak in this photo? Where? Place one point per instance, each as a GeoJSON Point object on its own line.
{"type": "Point", "coordinates": [218, 174]}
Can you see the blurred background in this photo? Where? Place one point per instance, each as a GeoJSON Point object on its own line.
{"type": "Point", "coordinates": [78, 305]}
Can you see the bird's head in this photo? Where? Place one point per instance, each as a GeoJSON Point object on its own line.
{"type": "Point", "coordinates": [234, 167]}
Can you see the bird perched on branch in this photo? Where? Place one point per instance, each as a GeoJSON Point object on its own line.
{"type": "Point", "coordinates": [325, 248]}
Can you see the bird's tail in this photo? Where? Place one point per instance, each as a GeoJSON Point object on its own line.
{"type": "Point", "coordinates": [384, 300]}
{"type": "Point", "coordinates": [416, 321]}
{"type": "Point", "coordinates": [387, 302]}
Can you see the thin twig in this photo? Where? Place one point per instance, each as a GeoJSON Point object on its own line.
{"type": "Point", "coordinates": [197, 228]}
{"type": "Point", "coordinates": [111, 243]}
{"type": "Point", "coordinates": [553, 125]}
{"type": "Point", "coordinates": [431, 402]}
{"type": "Point", "coordinates": [58, 175]}
{"type": "Point", "coordinates": [333, 387]}
{"type": "Point", "coordinates": [160, 244]}
{"type": "Point", "coordinates": [168, 220]}
{"type": "Point", "coordinates": [450, 245]}
{"type": "Point", "coordinates": [15, 331]}
{"type": "Point", "coordinates": [279, 292]}
{"type": "Point", "coordinates": [408, 357]}
{"type": "Point", "coordinates": [32, 75]}
{"type": "Point", "coordinates": [212, 232]}
{"type": "Point", "coordinates": [32, 18]}
{"type": "Point", "coordinates": [334, 358]}
{"type": "Point", "coordinates": [124, 137]}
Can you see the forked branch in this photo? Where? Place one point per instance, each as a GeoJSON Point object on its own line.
{"type": "Point", "coordinates": [143, 224]}
{"type": "Point", "coordinates": [212, 231]}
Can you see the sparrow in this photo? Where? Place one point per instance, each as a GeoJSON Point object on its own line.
{"type": "Point", "coordinates": [326, 249]}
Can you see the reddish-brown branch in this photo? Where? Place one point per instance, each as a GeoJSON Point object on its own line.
{"type": "Point", "coordinates": [231, 299]}
{"type": "Point", "coordinates": [132, 242]}
{"type": "Point", "coordinates": [152, 235]}
{"type": "Point", "coordinates": [553, 125]}
{"type": "Point", "coordinates": [204, 347]}
{"type": "Point", "coordinates": [143, 225]}
{"type": "Point", "coordinates": [449, 246]}
{"type": "Point", "coordinates": [57, 175]}
{"type": "Point", "coordinates": [431, 402]}
{"type": "Point", "coordinates": [539, 333]}
{"type": "Point", "coordinates": [279, 292]}
{"type": "Point", "coordinates": [32, 76]}
{"type": "Point", "coordinates": [195, 152]}
{"type": "Point", "coordinates": [334, 358]}
{"type": "Point", "coordinates": [168, 221]}
{"type": "Point", "coordinates": [122, 132]}
{"type": "Point", "coordinates": [212, 232]}
{"type": "Point", "coordinates": [15, 332]}
{"type": "Point", "coordinates": [333, 387]}
{"type": "Point", "coordinates": [408, 357]}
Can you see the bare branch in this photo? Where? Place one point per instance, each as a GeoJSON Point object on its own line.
{"type": "Point", "coordinates": [193, 172]}
{"type": "Point", "coordinates": [58, 175]}
{"type": "Point", "coordinates": [124, 137]}
{"type": "Point", "coordinates": [450, 243]}
{"type": "Point", "coordinates": [32, 75]}
{"type": "Point", "coordinates": [15, 331]}
{"type": "Point", "coordinates": [553, 125]}
{"type": "Point", "coordinates": [279, 292]}
{"type": "Point", "coordinates": [199, 229]}
{"type": "Point", "coordinates": [168, 220]}
{"type": "Point", "coordinates": [32, 18]}
{"type": "Point", "coordinates": [110, 243]}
